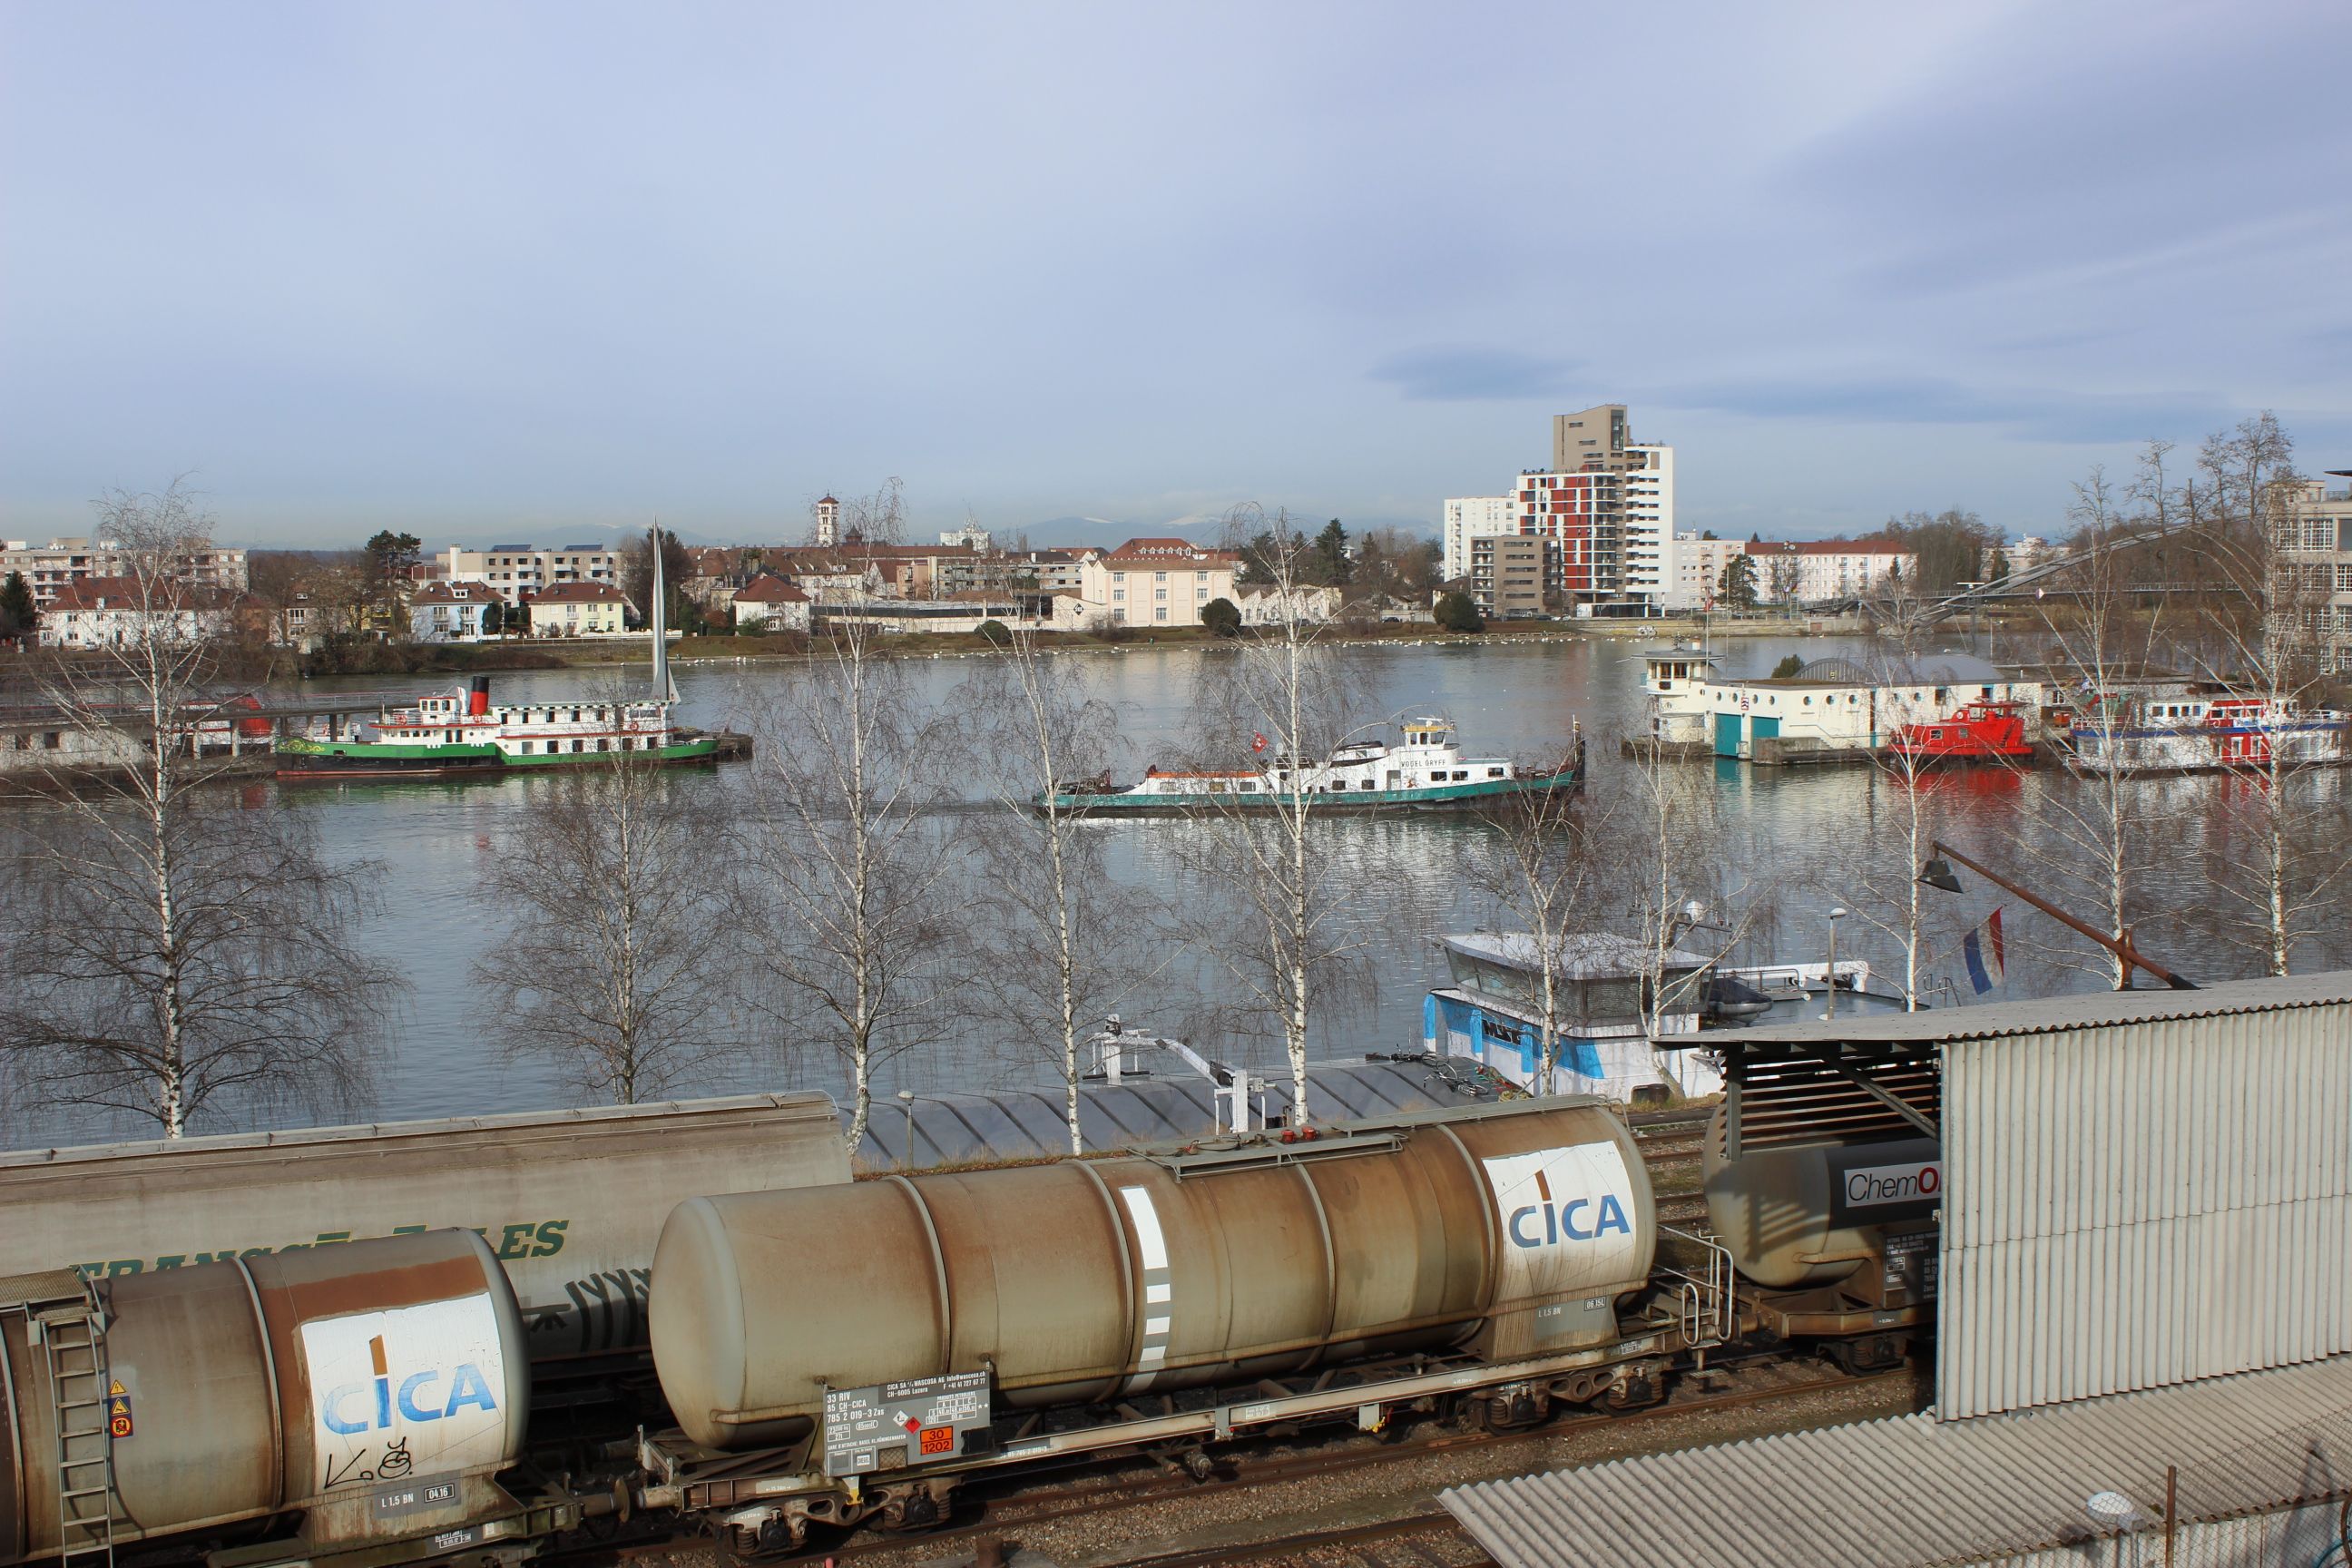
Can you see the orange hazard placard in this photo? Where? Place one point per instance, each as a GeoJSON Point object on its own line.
{"type": "Point", "coordinates": [935, 1440]}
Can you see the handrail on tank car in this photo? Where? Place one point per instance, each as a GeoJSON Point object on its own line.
{"type": "Point", "coordinates": [1705, 1295]}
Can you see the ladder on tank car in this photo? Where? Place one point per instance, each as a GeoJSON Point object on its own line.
{"type": "Point", "coordinates": [65, 1321]}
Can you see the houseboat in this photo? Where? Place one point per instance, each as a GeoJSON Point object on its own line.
{"type": "Point", "coordinates": [1492, 1010]}
{"type": "Point", "coordinates": [2179, 734]}
{"type": "Point", "coordinates": [1425, 770]}
{"type": "Point", "coordinates": [1977, 733]}
{"type": "Point", "coordinates": [462, 733]}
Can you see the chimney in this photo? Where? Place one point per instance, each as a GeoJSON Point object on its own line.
{"type": "Point", "coordinates": [478, 704]}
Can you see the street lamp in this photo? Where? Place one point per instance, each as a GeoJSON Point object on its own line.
{"type": "Point", "coordinates": [1835, 915]}
{"type": "Point", "coordinates": [906, 1148]}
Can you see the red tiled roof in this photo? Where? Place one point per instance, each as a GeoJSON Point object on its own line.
{"type": "Point", "coordinates": [1164, 551]}
{"type": "Point", "coordinates": [578, 593]}
{"type": "Point", "coordinates": [453, 593]}
{"type": "Point", "coordinates": [769, 589]}
{"type": "Point", "coordinates": [126, 594]}
{"type": "Point", "coordinates": [1827, 547]}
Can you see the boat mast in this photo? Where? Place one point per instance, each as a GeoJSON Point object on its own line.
{"type": "Point", "coordinates": [664, 689]}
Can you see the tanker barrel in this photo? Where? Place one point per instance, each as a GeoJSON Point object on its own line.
{"type": "Point", "coordinates": [1505, 1230]}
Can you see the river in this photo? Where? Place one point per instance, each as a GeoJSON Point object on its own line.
{"type": "Point", "coordinates": [1804, 827]}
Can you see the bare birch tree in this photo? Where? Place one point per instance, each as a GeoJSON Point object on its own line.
{"type": "Point", "coordinates": [2277, 853]}
{"type": "Point", "coordinates": [1062, 953]}
{"type": "Point", "coordinates": [846, 898]}
{"type": "Point", "coordinates": [612, 883]}
{"type": "Point", "coordinates": [176, 954]}
{"type": "Point", "coordinates": [2094, 832]}
{"type": "Point", "coordinates": [1538, 869]}
{"type": "Point", "coordinates": [1277, 706]}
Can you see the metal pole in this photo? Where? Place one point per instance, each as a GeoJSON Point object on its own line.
{"type": "Point", "coordinates": [2121, 948]}
{"type": "Point", "coordinates": [2171, 1508]}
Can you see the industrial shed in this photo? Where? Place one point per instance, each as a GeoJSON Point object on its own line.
{"type": "Point", "coordinates": [2142, 1188]}
{"type": "Point", "coordinates": [2145, 1248]}
{"type": "Point", "coordinates": [2255, 1459]}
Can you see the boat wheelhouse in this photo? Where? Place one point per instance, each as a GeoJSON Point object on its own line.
{"type": "Point", "coordinates": [2195, 733]}
{"type": "Point", "coordinates": [1977, 733]}
{"type": "Point", "coordinates": [1426, 769]}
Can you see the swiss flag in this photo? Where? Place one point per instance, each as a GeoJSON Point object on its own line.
{"type": "Point", "coordinates": [1257, 742]}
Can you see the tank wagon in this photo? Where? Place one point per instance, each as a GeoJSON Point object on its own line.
{"type": "Point", "coordinates": [571, 1202]}
{"type": "Point", "coordinates": [373, 1392]}
{"type": "Point", "coordinates": [1838, 1236]}
{"type": "Point", "coordinates": [1504, 1254]}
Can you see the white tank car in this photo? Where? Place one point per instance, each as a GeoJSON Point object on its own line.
{"type": "Point", "coordinates": [570, 1202]}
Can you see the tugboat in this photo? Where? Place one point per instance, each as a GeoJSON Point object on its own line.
{"type": "Point", "coordinates": [1978, 733]}
{"type": "Point", "coordinates": [462, 736]}
{"type": "Point", "coordinates": [1426, 770]}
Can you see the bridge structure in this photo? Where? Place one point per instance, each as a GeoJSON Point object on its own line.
{"type": "Point", "coordinates": [2033, 584]}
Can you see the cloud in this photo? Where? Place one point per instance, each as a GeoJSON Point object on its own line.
{"type": "Point", "coordinates": [2039, 415]}
{"type": "Point", "coordinates": [1474, 375]}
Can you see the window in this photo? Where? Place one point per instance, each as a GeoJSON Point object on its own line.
{"type": "Point", "coordinates": [575, 745]}
{"type": "Point", "coordinates": [1118, 593]}
{"type": "Point", "coordinates": [1118, 576]}
{"type": "Point", "coordinates": [602, 744]}
{"type": "Point", "coordinates": [1159, 576]}
{"type": "Point", "coordinates": [1161, 613]}
{"type": "Point", "coordinates": [1159, 593]}
{"type": "Point", "coordinates": [1494, 772]}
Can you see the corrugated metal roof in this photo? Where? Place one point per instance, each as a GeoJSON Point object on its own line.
{"type": "Point", "coordinates": [2083, 1010]}
{"type": "Point", "coordinates": [1027, 1123]}
{"type": "Point", "coordinates": [1912, 1492]}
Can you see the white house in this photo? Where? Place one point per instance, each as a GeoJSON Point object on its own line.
{"type": "Point", "coordinates": [108, 612]}
{"type": "Point", "coordinates": [768, 603]}
{"type": "Point", "coordinates": [1806, 572]}
{"type": "Point", "coordinates": [518, 572]}
{"type": "Point", "coordinates": [449, 612]}
{"type": "Point", "coordinates": [1155, 582]}
{"type": "Point", "coordinates": [577, 610]}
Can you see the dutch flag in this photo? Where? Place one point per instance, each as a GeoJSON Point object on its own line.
{"type": "Point", "coordinates": [1982, 951]}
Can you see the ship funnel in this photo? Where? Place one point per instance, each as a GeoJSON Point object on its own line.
{"type": "Point", "coordinates": [478, 701]}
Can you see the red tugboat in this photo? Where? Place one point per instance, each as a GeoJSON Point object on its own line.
{"type": "Point", "coordinates": [1978, 733]}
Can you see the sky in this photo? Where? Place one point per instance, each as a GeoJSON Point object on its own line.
{"type": "Point", "coordinates": [514, 271]}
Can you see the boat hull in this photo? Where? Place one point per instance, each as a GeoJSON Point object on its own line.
{"type": "Point", "coordinates": [386, 760]}
{"type": "Point", "coordinates": [1468, 796]}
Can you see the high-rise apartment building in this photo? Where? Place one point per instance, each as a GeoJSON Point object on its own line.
{"type": "Point", "coordinates": [1475, 517]}
{"type": "Point", "coordinates": [1510, 574]}
{"type": "Point", "coordinates": [515, 571]}
{"type": "Point", "coordinates": [50, 568]}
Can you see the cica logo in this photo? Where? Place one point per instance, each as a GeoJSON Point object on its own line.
{"type": "Point", "coordinates": [1567, 1220]}
{"type": "Point", "coordinates": [354, 1407]}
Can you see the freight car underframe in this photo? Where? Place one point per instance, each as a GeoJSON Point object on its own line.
{"type": "Point", "coordinates": [764, 1501]}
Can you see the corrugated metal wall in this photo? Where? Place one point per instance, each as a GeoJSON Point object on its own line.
{"type": "Point", "coordinates": [2135, 1204]}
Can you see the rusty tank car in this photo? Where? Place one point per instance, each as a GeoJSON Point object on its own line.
{"type": "Point", "coordinates": [571, 1200]}
{"type": "Point", "coordinates": [1489, 1260]}
{"type": "Point", "coordinates": [373, 1389]}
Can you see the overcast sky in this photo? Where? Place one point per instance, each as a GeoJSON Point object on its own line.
{"type": "Point", "coordinates": [506, 269]}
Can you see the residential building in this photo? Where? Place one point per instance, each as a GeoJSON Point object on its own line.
{"type": "Point", "coordinates": [106, 612]}
{"type": "Point", "coordinates": [1024, 609]}
{"type": "Point", "coordinates": [1608, 502]}
{"type": "Point", "coordinates": [1652, 575]}
{"type": "Point", "coordinates": [577, 610]}
{"type": "Point", "coordinates": [1270, 606]}
{"type": "Point", "coordinates": [2321, 519]}
{"type": "Point", "coordinates": [518, 572]}
{"type": "Point", "coordinates": [1698, 570]}
{"type": "Point", "coordinates": [49, 568]}
{"type": "Point", "coordinates": [1508, 573]}
{"type": "Point", "coordinates": [1807, 572]}
{"type": "Point", "coordinates": [1155, 582]}
{"type": "Point", "coordinates": [971, 536]}
{"type": "Point", "coordinates": [768, 603]}
{"type": "Point", "coordinates": [449, 612]}
{"type": "Point", "coordinates": [1475, 517]}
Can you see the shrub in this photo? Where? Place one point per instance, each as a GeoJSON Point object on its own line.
{"type": "Point", "coordinates": [995, 632]}
{"type": "Point", "coordinates": [1456, 613]}
{"type": "Point", "coordinates": [1787, 668]}
{"type": "Point", "coordinates": [1221, 618]}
